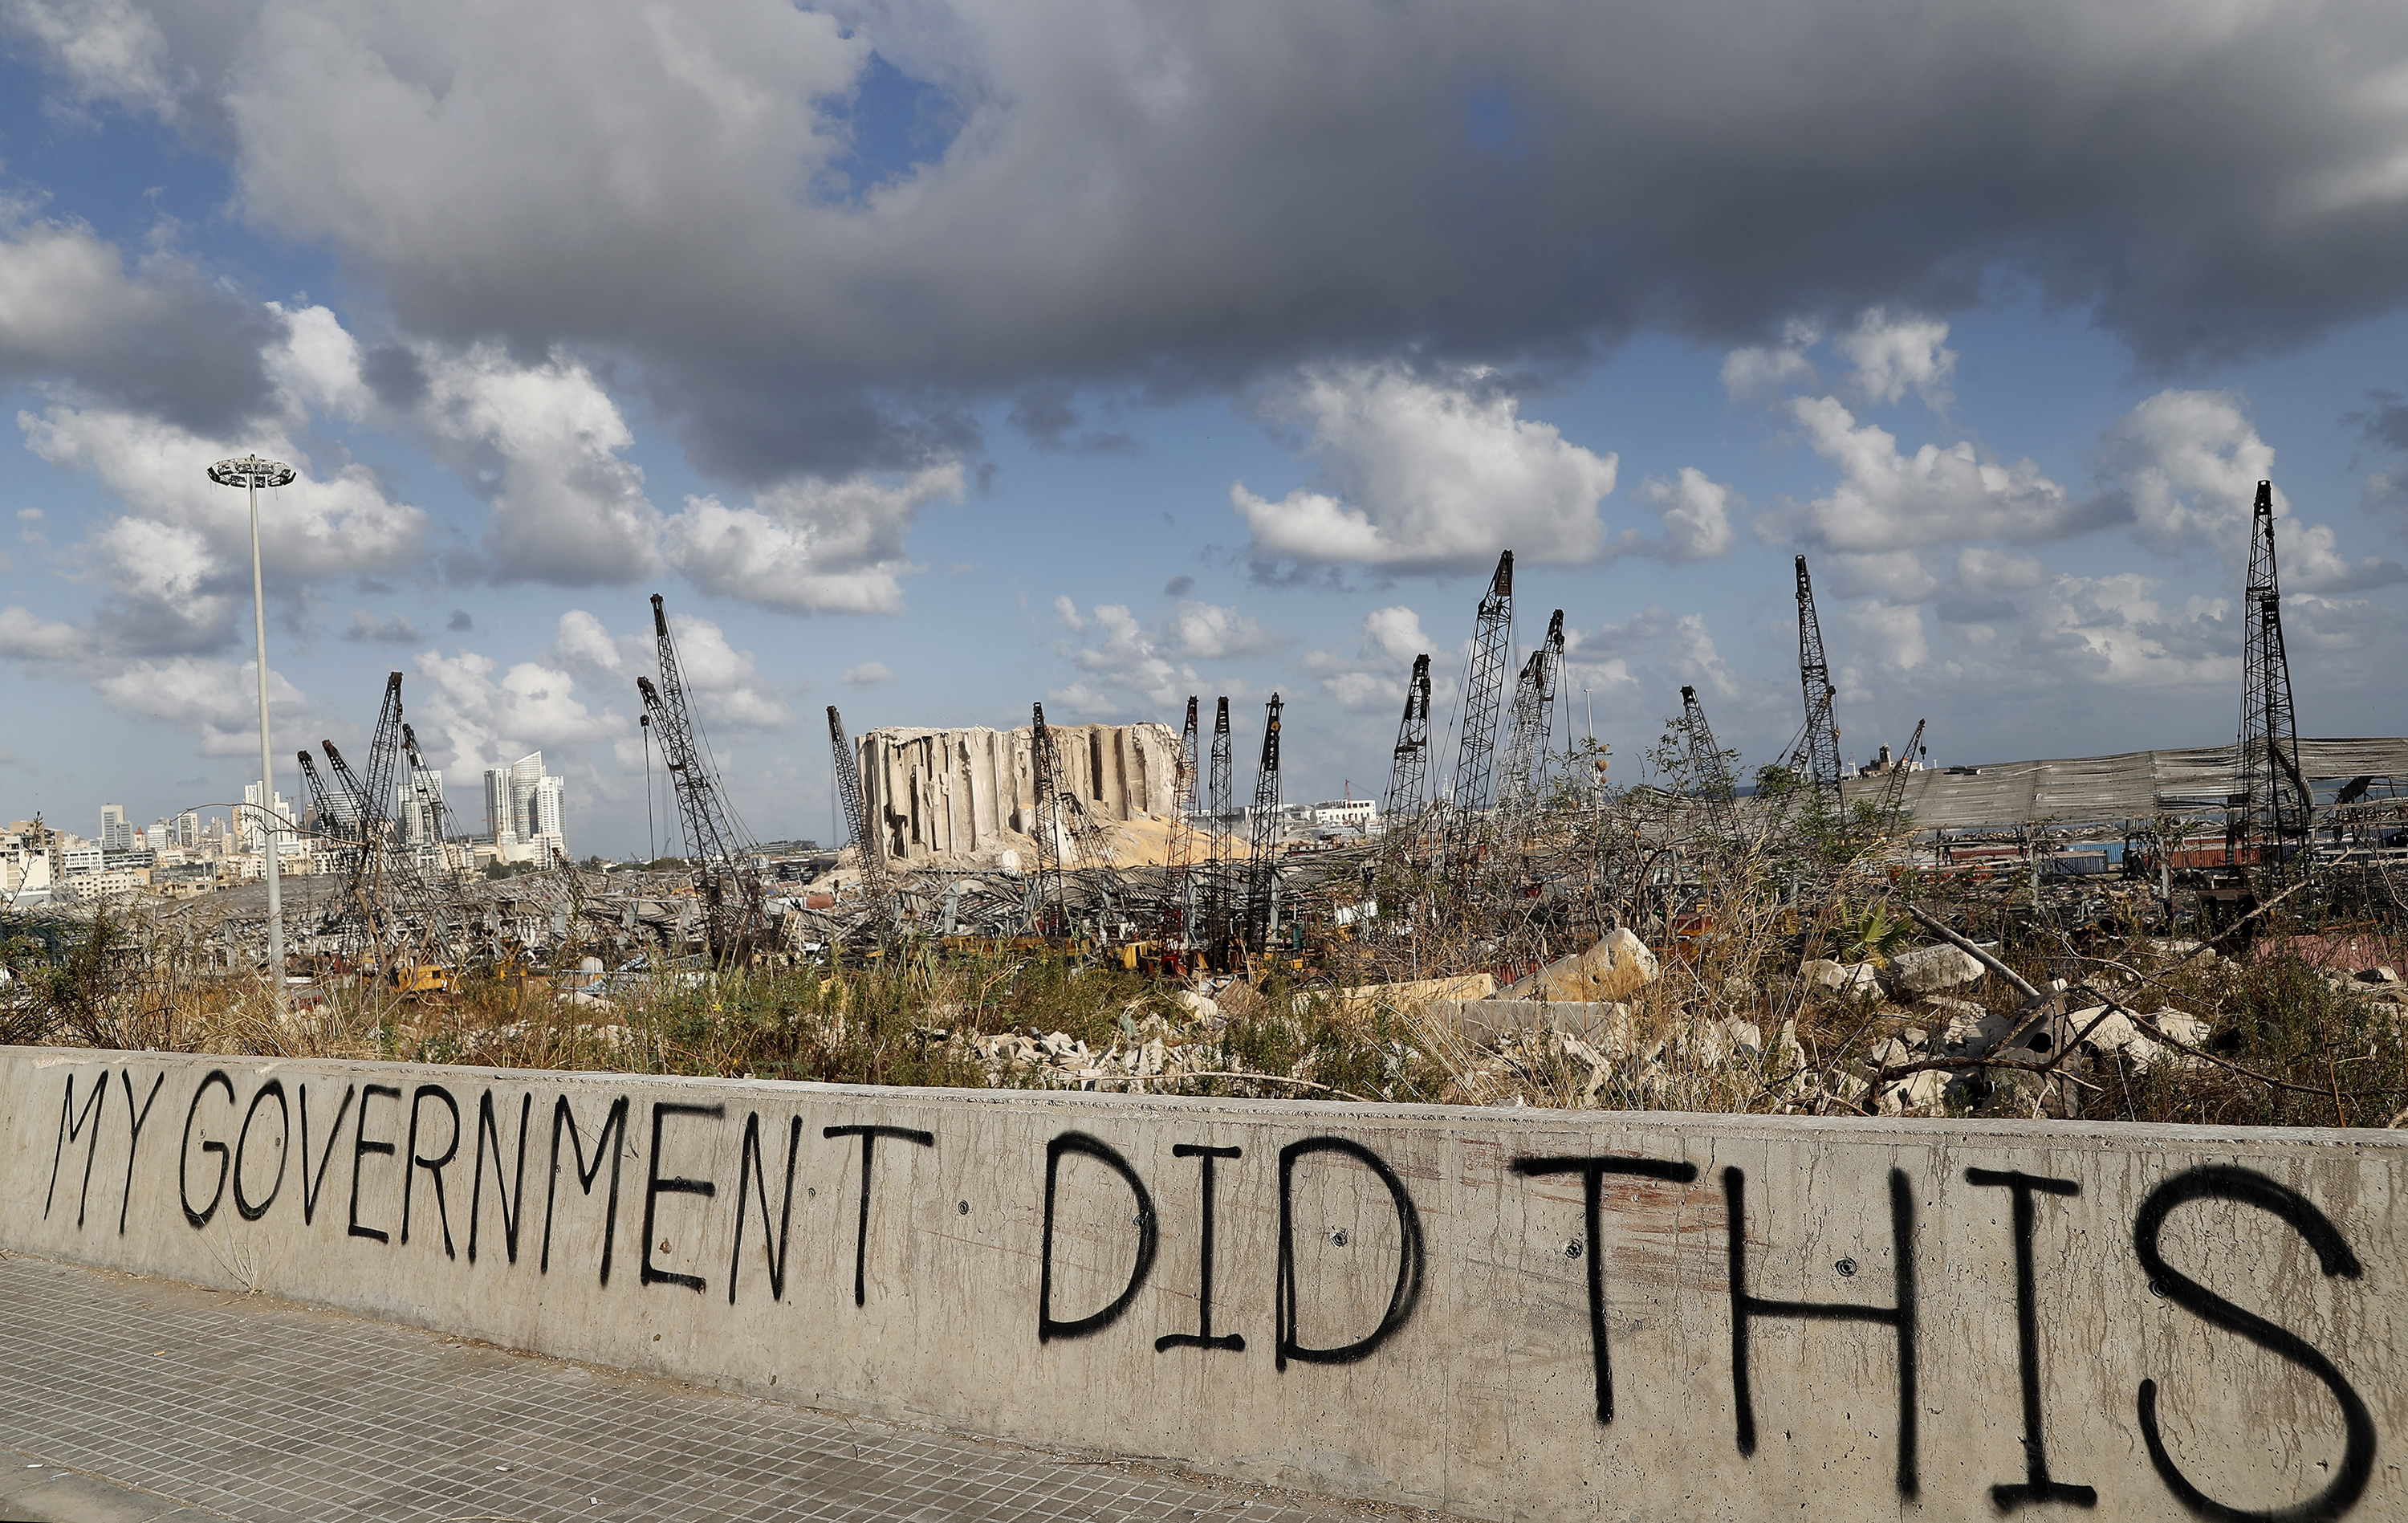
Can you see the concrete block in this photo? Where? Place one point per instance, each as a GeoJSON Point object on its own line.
{"type": "Point", "coordinates": [1603, 1024]}
{"type": "Point", "coordinates": [1421, 991]}
{"type": "Point", "coordinates": [1931, 968]}
{"type": "Point", "coordinates": [1411, 1304]}
{"type": "Point", "coordinates": [1619, 965]}
{"type": "Point", "coordinates": [1860, 979]}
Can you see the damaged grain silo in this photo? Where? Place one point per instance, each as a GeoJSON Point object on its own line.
{"type": "Point", "coordinates": [966, 795]}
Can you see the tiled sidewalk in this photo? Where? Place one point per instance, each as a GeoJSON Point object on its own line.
{"type": "Point", "coordinates": [131, 1399]}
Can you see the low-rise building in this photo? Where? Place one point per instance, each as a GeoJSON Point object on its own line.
{"type": "Point", "coordinates": [108, 882]}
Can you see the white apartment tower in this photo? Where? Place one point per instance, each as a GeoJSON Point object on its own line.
{"type": "Point", "coordinates": [422, 808]}
{"type": "Point", "coordinates": [251, 828]}
{"type": "Point", "coordinates": [523, 804]}
{"type": "Point", "coordinates": [116, 830]}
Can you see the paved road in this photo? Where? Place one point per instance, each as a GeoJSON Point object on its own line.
{"type": "Point", "coordinates": [124, 1400]}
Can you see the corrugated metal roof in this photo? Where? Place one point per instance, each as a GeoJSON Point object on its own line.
{"type": "Point", "coordinates": [2133, 785]}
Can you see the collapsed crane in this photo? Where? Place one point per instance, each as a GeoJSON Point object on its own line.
{"type": "Point", "coordinates": [1483, 692]}
{"type": "Point", "coordinates": [1262, 859]}
{"type": "Point", "coordinates": [2276, 799]}
{"type": "Point", "coordinates": [866, 842]}
{"type": "Point", "coordinates": [1708, 769]}
{"type": "Point", "coordinates": [1817, 756]}
{"type": "Point", "coordinates": [734, 907]}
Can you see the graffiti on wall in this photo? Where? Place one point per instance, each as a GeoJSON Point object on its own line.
{"type": "Point", "coordinates": [453, 1173]}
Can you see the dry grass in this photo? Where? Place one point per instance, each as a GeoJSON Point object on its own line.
{"type": "Point", "coordinates": [2288, 1047]}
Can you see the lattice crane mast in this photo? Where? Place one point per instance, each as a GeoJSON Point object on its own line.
{"type": "Point", "coordinates": [335, 823]}
{"type": "Point", "coordinates": [1054, 804]}
{"type": "Point", "coordinates": [1708, 769]}
{"type": "Point", "coordinates": [384, 758]}
{"type": "Point", "coordinates": [1177, 882]}
{"type": "Point", "coordinates": [2276, 799]}
{"type": "Point", "coordinates": [866, 841]}
{"type": "Point", "coordinates": [1818, 749]}
{"type": "Point", "coordinates": [1409, 774]}
{"type": "Point", "coordinates": [386, 887]}
{"type": "Point", "coordinates": [1262, 858]}
{"type": "Point", "coordinates": [331, 823]}
{"type": "Point", "coordinates": [1894, 788]}
{"type": "Point", "coordinates": [1483, 692]}
{"type": "Point", "coordinates": [733, 903]}
{"type": "Point", "coordinates": [426, 795]}
{"type": "Point", "coordinates": [1217, 917]}
{"type": "Point", "coordinates": [1534, 701]}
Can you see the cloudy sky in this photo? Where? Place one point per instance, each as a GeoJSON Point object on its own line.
{"type": "Point", "coordinates": [931, 360]}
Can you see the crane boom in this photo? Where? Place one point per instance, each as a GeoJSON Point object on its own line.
{"type": "Point", "coordinates": [1051, 826]}
{"type": "Point", "coordinates": [1409, 774]}
{"type": "Point", "coordinates": [731, 892]}
{"type": "Point", "coordinates": [2277, 801]}
{"type": "Point", "coordinates": [331, 823]}
{"type": "Point", "coordinates": [1818, 748]}
{"type": "Point", "coordinates": [1217, 915]}
{"type": "Point", "coordinates": [1707, 769]}
{"type": "Point", "coordinates": [865, 842]}
{"type": "Point", "coordinates": [1483, 692]}
{"type": "Point", "coordinates": [1176, 881]}
{"type": "Point", "coordinates": [1893, 792]}
{"type": "Point", "coordinates": [386, 887]}
{"type": "Point", "coordinates": [1262, 861]}
{"type": "Point", "coordinates": [427, 785]}
{"type": "Point", "coordinates": [1534, 698]}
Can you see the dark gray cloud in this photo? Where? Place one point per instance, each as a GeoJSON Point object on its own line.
{"type": "Point", "coordinates": [1175, 197]}
{"type": "Point", "coordinates": [155, 337]}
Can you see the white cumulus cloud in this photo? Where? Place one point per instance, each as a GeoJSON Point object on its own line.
{"type": "Point", "coordinates": [1893, 354]}
{"type": "Point", "coordinates": [809, 545]}
{"type": "Point", "coordinates": [1696, 512]}
{"type": "Point", "coordinates": [1423, 475]}
{"type": "Point", "coordinates": [547, 444]}
{"type": "Point", "coordinates": [1886, 500]}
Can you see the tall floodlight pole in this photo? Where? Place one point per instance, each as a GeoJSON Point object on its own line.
{"type": "Point", "coordinates": [251, 473]}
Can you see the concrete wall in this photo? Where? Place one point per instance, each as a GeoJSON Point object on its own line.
{"type": "Point", "coordinates": [1509, 1313]}
{"type": "Point", "coordinates": [955, 792]}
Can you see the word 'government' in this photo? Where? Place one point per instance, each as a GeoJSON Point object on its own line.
{"type": "Point", "coordinates": [1305, 1236]}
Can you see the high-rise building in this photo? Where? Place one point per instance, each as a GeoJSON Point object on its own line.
{"type": "Point", "coordinates": [116, 829]}
{"type": "Point", "coordinates": [251, 828]}
{"type": "Point", "coordinates": [497, 811]}
{"type": "Point", "coordinates": [523, 806]}
{"type": "Point", "coordinates": [543, 809]}
{"type": "Point", "coordinates": [421, 807]}
{"type": "Point", "coordinates": [188, 829]}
